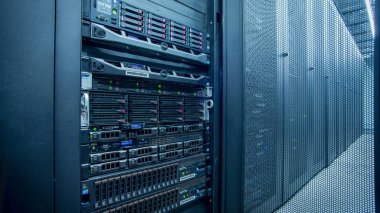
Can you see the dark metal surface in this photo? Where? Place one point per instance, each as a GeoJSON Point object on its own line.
{"type": "Point", "coordinates": [232, 180]}
{"type": "Point", "coordinates": [27, 95]}
{"type": "Point", "coordinates": [67, 106]}
{"type": "Point", "coordinates": [215, 30]}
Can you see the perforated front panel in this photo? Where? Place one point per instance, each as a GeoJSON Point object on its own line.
{"type": "Point", "coordinates": [262, 149]}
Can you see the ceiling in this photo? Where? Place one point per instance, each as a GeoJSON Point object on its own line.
{"type": "Point", "coordinates": [355, 15]}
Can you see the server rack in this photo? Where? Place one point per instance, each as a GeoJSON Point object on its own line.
{"type": "Point", "coordinates": [66, 159]}
{"type": "Point", "coordinates": [252, 143]}
{"type": "Point", "coordinates": [341, 93]}
{"type": "Point", "coordinates": [298, 106]}
{"type": "Point", "coordinates": [147, 89]}
{"type": "Point", "coordinates": [331, 75]}
{"type": "Point", "coordinates": [316, 12]}
{"type": "Point", "coordinates": [262, 145]}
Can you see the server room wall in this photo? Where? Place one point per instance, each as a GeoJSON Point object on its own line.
{"type": "Point", "coordinates": [300, 106]}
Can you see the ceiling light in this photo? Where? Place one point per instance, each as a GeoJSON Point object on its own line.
{"type": "Point", "coordinates": [370, 16]}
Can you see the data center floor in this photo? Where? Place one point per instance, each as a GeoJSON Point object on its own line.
{"type": "Point", "coordinates": [347, 185]}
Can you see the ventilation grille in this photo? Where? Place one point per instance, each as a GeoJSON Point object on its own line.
{"type": "Point", "coordinates": [261, 108]}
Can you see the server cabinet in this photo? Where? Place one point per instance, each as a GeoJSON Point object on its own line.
{"type": "Point", "coordinates": [147, 116]}
{"type": "Point", "coordinates": [27, 103]}
{"type": "Point", "coordinates": [317, 85]}
{"type": "Point", "coordinates": [262, 161]}
{"type": "Point", "coordinates": [350, 89]}
{"type": "Point", "coordinates": [67, 108]}
{"type": "Point", "coordinates": [252, 107]}
{"type": "Point", "coordinates": [330, 36]}
{"type": "Point", "coordinates": [63, 132]}
{"type": "Point", "coordinates": [345, 84]}
{"type": "Point", "coordinates": [297, 98]}
{"type": "Point", "coordinates": [341, 87]}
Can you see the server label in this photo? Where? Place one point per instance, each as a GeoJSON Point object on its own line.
{"type": "Point", "coordinates": [187, 200]}
{"type": "Point", "coordinates": [187, 177]}
{"type": "Point", "coordinates": [104, 6]}
{"type": "Point", "coordinates": [136, 73]}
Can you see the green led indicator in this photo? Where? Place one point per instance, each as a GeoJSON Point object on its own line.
{"type": "Point", "coordinates": [110, 88]}
{"type": "Point", "coordinates": [94, 128]}
{"type": "Point", "coordinates": [195, 94]}
{"type": "Point", "coordinates": [114, 11]}
{"type": "Point", "coordinates": [159, 86]}
{"type": "Point", "coordinates": [179, 93]}
{"type": "Point", "coordinates": [137, 84]}
{"type": "Point", "coordinates": [159, 91]}
{"type": "Point", "coordinates": [110, 81]}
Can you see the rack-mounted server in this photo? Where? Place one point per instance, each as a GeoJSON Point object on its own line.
{"type": "Point", "coordinates": [121, 23]}
{"type": "Point", "coordinates": [145, 102]}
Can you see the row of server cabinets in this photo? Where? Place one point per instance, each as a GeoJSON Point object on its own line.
{"type": "Point", "coordinates": [301, 99]}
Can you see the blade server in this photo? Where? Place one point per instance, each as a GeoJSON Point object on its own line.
{"type": "Point", "coordinates": [145, 102]}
